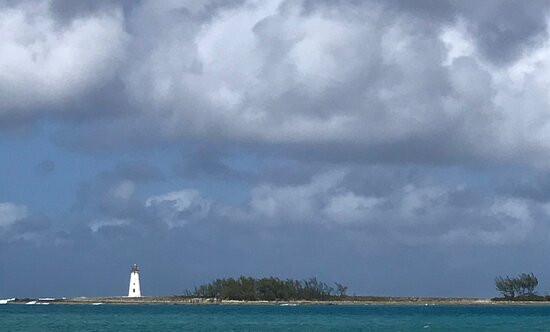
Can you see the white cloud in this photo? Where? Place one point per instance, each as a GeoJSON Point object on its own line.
{"type": "Point", "coordinates": [350, 207]}
{"type": "Point", "coordinates": [457, 41]}
{"type": "Point", "coordinates": [267, 71]}
{"type": "Point", "coordinates": [43, 63]}
{"type": "Point", "coordinates": [179, 208]}
{"type": "Point", "coordinates": [96, 225]}
{"type": "Point", "coordinates": [274, 72]}
{"type": "Point", "coordinates": [299, 203]}
{"type": "Point", "coordinates": [410, 213]}
{"type": "Point", "coordinates": [11, 213]}
{"type": "Point", "coordinates": [325, 200]}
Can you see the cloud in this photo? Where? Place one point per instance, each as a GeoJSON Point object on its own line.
{"type": "Point", "coordinates": [10, 213]}
{"type": "Point", "coordinates": [515, 219]}
{"type": "Point", "coordinates": [437, 83]}
{"type": "Point", "coordinates": [504, 29]}
{"type": "Point", "coordinates": [67, 10]}
{"type": "Point", "coordinates": [362, 82]}
{"type": "Point", "coordinates": [414, 213]}
{"type": "Point", "coordinates": [329, 199]}
{"type": "Point", "coordinates": [17, 223]}
{"type": "Point", "coordinates": [409, 206]}
{"type": "Point", "coordinates": [44, 65]}
{"type": "Point", "coordinates": [312, 133]}
{"type": "Point", "coordinates": [179, 208]}
{"type": "Point", "coordinates": [302, 203]}
{"type": "Point", "coordinates": [326, 79]}
{"type": "Point", "coordinates": [97, 225]}
{"type": "Point", "coordinates": [113, 195]}
{"type": "Point", "coordinates": [349, 207]}
{"type": "Point", "coordinates": [34, 228]}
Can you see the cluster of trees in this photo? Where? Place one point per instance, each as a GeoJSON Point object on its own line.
{"type": "Point", "coordinates": [268, 289]}
{"type": "Point", "coordinates": [521, 286]}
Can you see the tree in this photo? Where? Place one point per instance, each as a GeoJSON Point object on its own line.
{"type": "Point", "coordinates": [341, 290]}
{"type": "Point", "coordinates": [528, 282]}
{"type": "Point", "coordinates": [271, 289]}
{"type": "Point", "coordinates": [505, 286]}
{"type": "Point", "coordinates": [522, 285]}
{"type": "Point", "coordinates": [517, 285]}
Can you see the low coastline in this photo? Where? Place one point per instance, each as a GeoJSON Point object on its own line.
{"type": "Point", "coordinates": [181, 300]}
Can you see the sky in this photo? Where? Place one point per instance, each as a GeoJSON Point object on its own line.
{"type": "Point", "coordinates": [398, 147]}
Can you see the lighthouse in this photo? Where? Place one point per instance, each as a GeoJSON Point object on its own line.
{"type": "Point", "coordinates": [134, 290]}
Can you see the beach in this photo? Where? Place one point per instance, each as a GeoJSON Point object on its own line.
{"type": "Point", "coordinates": [182, 300]}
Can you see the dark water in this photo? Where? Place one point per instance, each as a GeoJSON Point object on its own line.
{"type": "Point", "coordinates": [272, 318]}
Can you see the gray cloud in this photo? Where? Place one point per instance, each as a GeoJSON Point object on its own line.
{"type": "Point", "coordinates": [409, 133]}
{"type": "Point", "coordinates": [433, 82]}
{"type": "Point", "coordinates": [49, 66]}
{"type": "Point", "coordinates": [504, 29]}
{"type": "Point", "coordinates": [396, 91]}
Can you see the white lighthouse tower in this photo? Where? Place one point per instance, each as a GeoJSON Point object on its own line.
{"type": "Point", "coordinates": [134, 290]}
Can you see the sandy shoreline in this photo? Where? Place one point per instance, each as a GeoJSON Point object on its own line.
{"type": "Point", "coordinates": [200, 301]}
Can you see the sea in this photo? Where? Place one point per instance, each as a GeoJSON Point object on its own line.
{"type": "Point", "coordinates": [58, 317]}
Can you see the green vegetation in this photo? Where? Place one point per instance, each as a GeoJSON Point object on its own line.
{"type": "Point", "coordinates": [268, 289]}
{"type": "Point", "coordinates": [520, 288]}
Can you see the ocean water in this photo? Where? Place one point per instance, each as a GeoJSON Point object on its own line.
{"type": "Point", "coordinates": [272, 318]}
